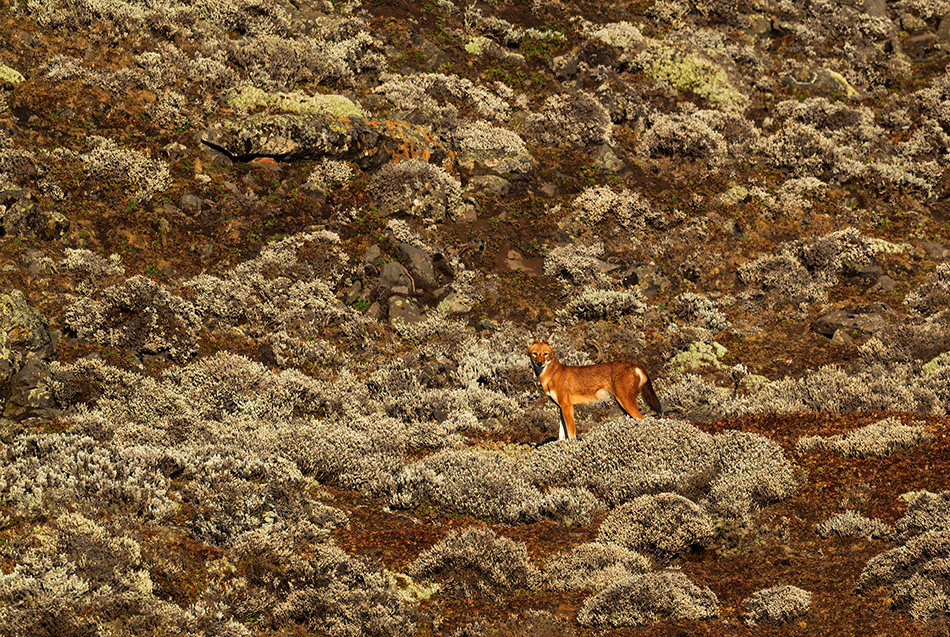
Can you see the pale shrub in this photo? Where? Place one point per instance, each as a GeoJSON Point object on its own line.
{"type": "Point", "coordinates": [853, 524]}
{"type": "Point", "coordinates": [592, 566]}
{"type": "Point", "coordinates": [666, 595]}
{"type": "Point", "coordinates": [477, 561]}
{"type": "Point", "coordinates": [881, 438]}
{"type": "Point", "coordinates": [140, 315]}
{"type": "Point", "coordinates": [664, 525]}
{"type": "Point", "coordinates": [776, 605]}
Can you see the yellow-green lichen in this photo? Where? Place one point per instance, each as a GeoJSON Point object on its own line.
{"type": "Point", "coordinates": [476, 46]}
{"type": "Point", "coordinates": [689, 72]}
{"type": "Point", "coordinates": [936, 364]}
{"type": "Point", "coordinates": [249, 97]}
{"type": "Point", "coordinates": [10, 75]}
{"type": "Point", "coordinates": [698, 355]}
{"type": "Point", "coordinates": [410, 591]}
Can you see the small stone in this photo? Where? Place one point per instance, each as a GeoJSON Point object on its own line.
{"type": "Point", "coordinates": [884, 284]}
{"type": "Point", "coordinates": [841, 337]}
{"type": "Point", "coordinates": [190, 203]}
{"type": "Point", "coordinates": [493, 183]}
{"type": "Point", "coordinates": [394, 274]}
{"type": "Point", "coordinates": [404, 310]}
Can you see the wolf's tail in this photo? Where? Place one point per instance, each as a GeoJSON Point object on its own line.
{"type": "Point", "coordinates": [651, 398]}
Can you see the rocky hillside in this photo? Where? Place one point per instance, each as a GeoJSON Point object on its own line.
{"type": "Point", "coordinates": [269, 271]}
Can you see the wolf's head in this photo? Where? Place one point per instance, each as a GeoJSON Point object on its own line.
{"type": "Point", "coordinates": [541, 354]}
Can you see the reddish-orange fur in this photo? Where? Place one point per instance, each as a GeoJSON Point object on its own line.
{"type": "Point", "coordinates": [569, 385]}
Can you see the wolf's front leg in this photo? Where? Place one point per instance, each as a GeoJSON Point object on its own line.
{"type": "Point", "coordinates": [562, 430]}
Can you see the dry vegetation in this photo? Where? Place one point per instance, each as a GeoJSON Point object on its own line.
{"type": "Point", "coordinates": [268, 271]}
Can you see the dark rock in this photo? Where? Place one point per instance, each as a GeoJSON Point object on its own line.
{"type": "Point", "coordinates": [420, 265]}
{"type": "Point", "coordinates": [265, 355]}
{"type": "Point", "coordinates": [648, 277]}
{"type": "Point", "coordinates": [434, 57]}
{"type": "Point", "coordinates": [23, 332]}
{"type": "Point", "coordinates": [29, 392]}
{"type": "Point", "coordinates": [353, 293]}
{"type": "Point", "coordinates": [820, 82]}
{"type": "Point", "coordinates": [760, 25]}
{"type": "Point", "coordinates": [393, 275]}
{"type": "Point", "coordinates": [607, 161]}
{"type": "Point", "coordinates": [25, 344]}
{"type": "Point", "coordinates": [922, 46]}
{"type": "Point", "coordinates": [864, 271]}
{"type": "Point", "coordinates": [943, 31]}
{"type": "Point", "coordinates": [373, 256]}
{"type": "Point", "coordinates": [493, 183]}
{"type": "Point", "coordinates": [21, 216]}
{"type": "Point", "coordinates": [732, 227]}
{"type": "Point", "coordinates": [884, 284]}
{"type": "Point", "coordinates": [174, 151]}
{"type": "Point", "coordinates": [864, 319]}
{"type": "Point", "coordinates": [874, 8]}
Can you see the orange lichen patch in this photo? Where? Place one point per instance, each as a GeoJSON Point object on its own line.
{"type": "Point", "coordinates": [402, 140]}
{"type": "Point", "coordinates": [265, 161]}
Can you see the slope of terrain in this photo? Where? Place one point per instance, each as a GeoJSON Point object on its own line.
{"type": "Point", "coordinates": [269, 271]}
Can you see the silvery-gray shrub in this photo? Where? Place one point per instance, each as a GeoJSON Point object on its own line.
{"type": "Point", "coordinates": [46, 473]}
{"type": "Point", "coordinates": [926, 512]}
{"type": "Point", "coordinates": [933, 295]}
{"type": "Point", "coordinates": [693, 307]}
{"type": "Point", "coordinates": [488, 485]}
{"type": "Point", "coordinates": [105, 160]}
{"type": "Point", "coordinates": [684, 136]}
{"type": "Point", "coordinates": [592, 566]}
{"type": "Point", "coordinates": [918, 570]}
{"type": "Point", "coordinates": [477, 561]}
{"type": "Point", "coordinates": [364, 452]}
{"type": "Point", "coordinates": [751, 471]}
{"type": "Point", "coordinates": [594, 304]}
{"type": "Point", "coordinates": [663, 525]}
{"type": "Point", "coordinates": [664, 595]}
{"type": "Point", "coordinates": [577, 119]}
{"type": "Point", "coordinates": [417, 189]}
{"type": "Point", "coordinates": [139, 315]}
{"type": "Point", "coordinates": [293, 577]}
{"type": "Point", "coordinates": [578, 264]}
{"type": "Point", "coordinates": [852, 524]}
{"type": "Point", "coordinates": [626, 458]}
{"type": "Point", "coordinates": [628, 208]}
{"type": "Point", "coordinates": [783, 274]}
{"type": "Point", "coordinates": [803, 150]}
{"type": "Point", "coordinates": [776, 605]}
{"type": "Point", "coordinates": [430, 92]}
{"type": "Point", "coordinates": [881, 438]}
{"type": "Point", "coordinates": [78, 577]}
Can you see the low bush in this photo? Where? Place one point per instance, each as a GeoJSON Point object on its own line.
{"type": "Point", "coordinates": [592, 566]}
{"type": "Point", "coordinates": [776, 605]}
{"type": "Point", "coordinates": [666, 595]}
{"type": "Point", "coordinates": [477, 561]}
{"type": "Point", "coordinates": [663, 525]}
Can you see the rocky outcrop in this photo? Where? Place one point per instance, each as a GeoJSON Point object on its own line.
{"type": "Point", "coordinates": [25, 347]}
{"type": "Point", "coordinates": [370, 143]}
